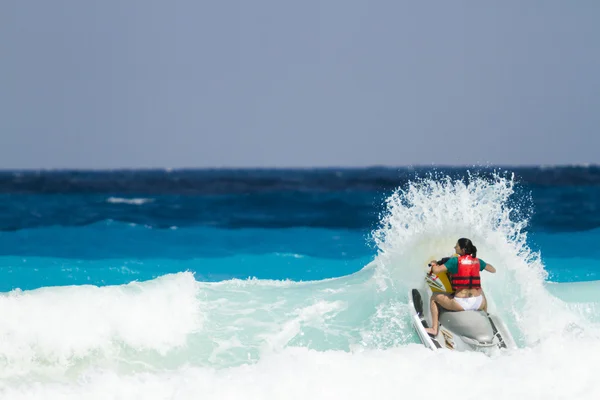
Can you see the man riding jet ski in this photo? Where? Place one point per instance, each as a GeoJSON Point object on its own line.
{"type": "Point", "coordinates": [458, 309]}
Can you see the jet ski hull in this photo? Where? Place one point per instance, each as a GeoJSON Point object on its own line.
{"type": "Point", "coordinates": [461, 331]}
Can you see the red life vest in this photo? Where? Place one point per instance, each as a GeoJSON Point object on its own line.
{"type": "Point", "coordinates": [467, 276]}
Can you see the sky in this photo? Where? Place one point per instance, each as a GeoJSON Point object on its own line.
{"type": "Point", "coordinates": [185, 84]}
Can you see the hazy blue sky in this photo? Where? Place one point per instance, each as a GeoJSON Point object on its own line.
{"type": "Point", "coordinates": [123, 83]}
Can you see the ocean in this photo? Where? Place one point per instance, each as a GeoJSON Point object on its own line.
{"type": "Point", "coordinates": [290, 284]}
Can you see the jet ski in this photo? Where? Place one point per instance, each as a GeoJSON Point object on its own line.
{"type": "Point", "coordinates": [458, 330]}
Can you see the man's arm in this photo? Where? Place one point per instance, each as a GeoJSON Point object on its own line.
{"type": "Point", "coordinates": [437, 268]}
{"type": "Point", "coordinates": [490, 268]}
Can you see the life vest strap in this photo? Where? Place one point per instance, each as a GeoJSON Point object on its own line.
{"type": "Point", "coordinates": [466, 281]}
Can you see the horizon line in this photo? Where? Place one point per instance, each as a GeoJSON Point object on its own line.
{"type": "Point", "coordinates": [302, 168]}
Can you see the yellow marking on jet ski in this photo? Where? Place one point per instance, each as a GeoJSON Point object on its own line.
{"type": "Point", "coordinates": [439, 283]}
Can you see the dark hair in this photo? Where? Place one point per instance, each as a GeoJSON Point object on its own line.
{"type": "Point", "coordinates": [466, 245]}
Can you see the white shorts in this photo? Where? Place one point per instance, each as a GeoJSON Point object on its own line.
{"type": "Point", "coordinates": [470, 303]}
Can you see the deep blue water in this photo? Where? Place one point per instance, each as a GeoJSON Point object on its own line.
{"type": "Point", "coordinates": [563, 199]}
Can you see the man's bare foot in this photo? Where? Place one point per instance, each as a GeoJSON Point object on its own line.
{"type": "Point", "coordinates": [431, 331]}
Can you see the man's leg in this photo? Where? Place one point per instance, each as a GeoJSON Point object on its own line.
{"type": "Point", "coordinates": [445, 301]}
{"type": "Point", "coordinates": [483, 304]}
{"type": "Point", "coordinates": [435, 316]}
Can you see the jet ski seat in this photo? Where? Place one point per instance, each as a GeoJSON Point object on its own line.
{"type": "Point", "coordinates": [470, 324]}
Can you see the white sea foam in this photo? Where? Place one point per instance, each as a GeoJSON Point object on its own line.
{"type": "Point", "coordinates": [134, 201]}
{"type": "Point", "coordinates": [545, 371]}
{"type": "Point", "coordinates": [55, 327]}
